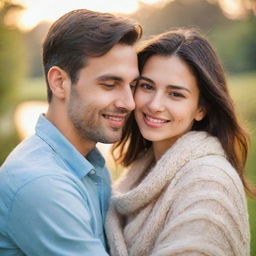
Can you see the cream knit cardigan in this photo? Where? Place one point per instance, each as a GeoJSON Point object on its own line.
{"type": "Point", "coordinates": [191, 203]}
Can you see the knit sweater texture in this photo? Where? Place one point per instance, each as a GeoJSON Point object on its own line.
{"type": "Point", "coordinates": [192, 202]}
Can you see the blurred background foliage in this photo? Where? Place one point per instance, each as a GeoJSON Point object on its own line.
{"type": "Point", "coordinates": [233, 36]}
{"type": "Point", "coordinates": [12, 73]}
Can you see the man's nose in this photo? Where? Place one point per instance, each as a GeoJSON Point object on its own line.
{"type": "Point", "coordinates": [126, 99]}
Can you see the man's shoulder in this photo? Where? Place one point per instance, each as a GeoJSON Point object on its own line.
{"type": "Point", "coordinates": [30, 160]}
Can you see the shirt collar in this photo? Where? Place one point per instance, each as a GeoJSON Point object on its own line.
{"type": "Point", "coordinates": [79, 165]}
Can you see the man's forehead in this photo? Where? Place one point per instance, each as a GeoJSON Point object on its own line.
{"type": "Point", "coordinates": [118, 52]}
{"type": "Point", "coordinates": [118, 64]}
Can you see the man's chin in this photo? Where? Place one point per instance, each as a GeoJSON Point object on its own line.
{"type": "Point", "coordinates": [110, 139]}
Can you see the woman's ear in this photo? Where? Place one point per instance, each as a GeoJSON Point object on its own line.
{"type": "Point", "coordinates": [201, 112]}
{"type": "Point", "coordinates": [58, 80]}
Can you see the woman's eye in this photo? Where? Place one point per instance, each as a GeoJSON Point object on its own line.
{"type": "Point", "coordinates": [146, 86]}
{"type": "Point", "coordinates": [176, 95]}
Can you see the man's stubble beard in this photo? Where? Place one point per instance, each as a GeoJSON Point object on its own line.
{"type": "Point", "coordinates": [85, 120]}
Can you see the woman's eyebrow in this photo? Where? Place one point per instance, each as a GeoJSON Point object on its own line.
{"type": "Point", "coordinates": [146, 79]}
{"type": "Point", "coordinates": [178, 87]}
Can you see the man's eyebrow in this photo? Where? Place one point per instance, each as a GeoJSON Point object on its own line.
{"type": "Point", "coordinates": [109, 78]}
{"type": "Point", "coordinates": [105, 78]}
{"type": "Point", "coordinates": [176, 87]}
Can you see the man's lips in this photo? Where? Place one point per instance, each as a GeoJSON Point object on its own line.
{"type": "Point", "coordinates": [116, 120]}
{"type": "Point", "coordinates": [154, 122]}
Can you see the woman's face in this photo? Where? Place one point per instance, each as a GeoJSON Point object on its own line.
{"type": "Point", "coordinates": [166, 100]}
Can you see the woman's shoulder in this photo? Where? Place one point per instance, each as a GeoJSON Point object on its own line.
{"type": "Point", "coordinates": [211, 177]}
{"type": "Point", "coordinates": [206, 203]}
{"type": "Point", "coordinates": [193, 146]}
{"type": "Point", "coordinates": [204, 167]}
{"type": "Point", "coordinates": [212, 166]}
{"type": "Point", "coordinates": [197, 143]}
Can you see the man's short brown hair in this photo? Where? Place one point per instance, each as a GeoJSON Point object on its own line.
{"type": "Point", "coordinates": [82, 33]}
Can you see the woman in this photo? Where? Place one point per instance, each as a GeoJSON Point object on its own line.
{"type": "Point", "coordinates": [183, 193]}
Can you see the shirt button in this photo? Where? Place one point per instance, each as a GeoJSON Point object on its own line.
{"type": "Point", "coordinates": [92, 172]}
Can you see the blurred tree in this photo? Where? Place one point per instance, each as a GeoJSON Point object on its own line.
{"type": "Point", "coordinates": [237, 9]}
{"type": "Point", "coordinates": [12, 72]}
{"type": "Point", "coordinates": [213, 17]}
{"type": "Point", "coordinates": [180, 13]}
{"type": "Point", "coordinates": [34, 40]}
{"type": "Point", "coordinates": [237, 45]}
{"type": "Point", "coordinates": [234, 40]}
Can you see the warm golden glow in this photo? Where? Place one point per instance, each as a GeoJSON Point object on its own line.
{"type": "Point", "coordinates": [234, 8]}
{"type": "Point", "coordinates": [48, 10]}
{"type": "Point", "coordinates": [26, 116]}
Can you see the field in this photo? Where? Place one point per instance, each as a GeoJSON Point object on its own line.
{"type": "Point", "coordinates": [243, 91]}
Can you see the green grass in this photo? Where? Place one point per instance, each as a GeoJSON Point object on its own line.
{"type": "Point", "coordinates": [243, 92]}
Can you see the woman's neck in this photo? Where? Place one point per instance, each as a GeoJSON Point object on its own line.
{"type": "Point", "coordinates": [160, 147]}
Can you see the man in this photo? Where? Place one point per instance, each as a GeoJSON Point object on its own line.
{"type": "Point", "coordinates": [54, 187]}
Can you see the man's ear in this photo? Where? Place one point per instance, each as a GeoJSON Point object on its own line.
{"type": "Point", "coordinates": [201, 112]}
{"type": "Point", "coordinates": [58, 81]}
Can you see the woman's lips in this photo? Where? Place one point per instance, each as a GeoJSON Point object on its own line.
{"type": "Point", "coordinates": [154, 122]}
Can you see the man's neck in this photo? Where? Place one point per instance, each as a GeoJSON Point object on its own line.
{"type": "Point", "coordinates": [63, 124]}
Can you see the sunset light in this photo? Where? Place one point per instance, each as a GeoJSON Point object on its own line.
{"type": "Point", "coordinates": [47, 10]}
{"type": "Point", "coordinates": [36, 11]}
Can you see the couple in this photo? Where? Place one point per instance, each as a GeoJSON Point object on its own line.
{"type": "Point", "coordinates": [183, 193]}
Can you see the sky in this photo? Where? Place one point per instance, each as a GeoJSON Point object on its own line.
{"type": "Point", "coordinates": [49, 10]}
{"type": "Point", "coordinates": [36, 11]}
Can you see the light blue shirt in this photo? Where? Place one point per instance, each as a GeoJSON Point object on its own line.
{"type": "Point", "coordinates": [53, 200]}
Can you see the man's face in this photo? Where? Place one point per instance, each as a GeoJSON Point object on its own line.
{"type": "Point", "coordinates": [102, 98]}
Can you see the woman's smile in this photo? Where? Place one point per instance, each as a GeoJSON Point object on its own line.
{"type": "Point", "coordinates": [154, 122]}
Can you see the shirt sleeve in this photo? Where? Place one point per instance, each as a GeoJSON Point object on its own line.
{"type": "Point", "coordinates": [208, 216]}
{"type": "Point", "coordinates": [51, 216]}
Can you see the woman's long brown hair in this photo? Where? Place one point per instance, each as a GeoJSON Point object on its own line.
{"type": "Point", "coordinates": [220, 120]}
